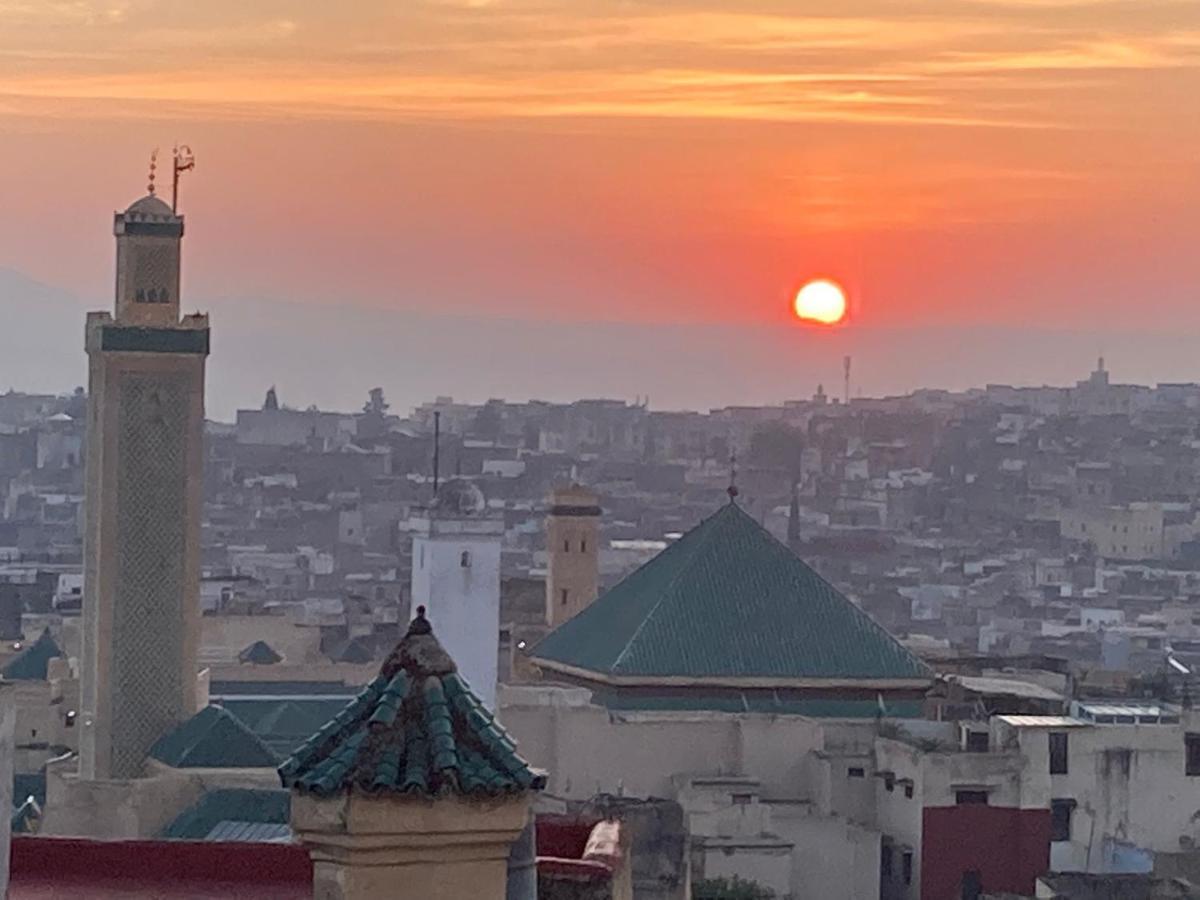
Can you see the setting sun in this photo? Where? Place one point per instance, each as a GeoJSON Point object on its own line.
{"type": "Point", "coordinates": [821, 301]}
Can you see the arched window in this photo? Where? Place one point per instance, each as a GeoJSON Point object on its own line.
{"type": "Point", "coordinates": [583, 545]}
{"type": "Point", "coordinates": [465, 559]}
{"type": "Point", "coordinates": [566, 545]}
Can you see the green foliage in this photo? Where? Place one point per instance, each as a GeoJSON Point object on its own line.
{"type": "Point", "coordinates": [730, 889]}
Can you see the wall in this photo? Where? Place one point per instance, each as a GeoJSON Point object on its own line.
{"type": "Point", "coordinates": [588, 751]}
{"type": "Point", "coordinates": [1009, 848]}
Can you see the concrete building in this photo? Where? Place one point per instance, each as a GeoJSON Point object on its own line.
{"type": "Point", "coordinates": [573, 553]}
{"type": "Point", "coordinates": [1132, 532]}
{"type": "Point", "coordinates": [143, 476]}
{"type": "Point", "coordinates": [456, 576]}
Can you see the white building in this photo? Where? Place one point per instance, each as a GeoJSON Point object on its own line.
{"type": "Point", "coordinates": [456, 577]}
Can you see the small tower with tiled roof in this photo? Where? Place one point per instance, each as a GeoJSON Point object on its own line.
{"type": "Point", "coordinates": [413, 789]}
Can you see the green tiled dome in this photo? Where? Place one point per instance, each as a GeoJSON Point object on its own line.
{"type": "Point", "coordinates": [416, 729]}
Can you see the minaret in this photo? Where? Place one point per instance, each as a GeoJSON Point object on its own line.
{"type": "Point", "coordinates": [143, 500]}
{"type": "Point", "coordinates": [573, 550]}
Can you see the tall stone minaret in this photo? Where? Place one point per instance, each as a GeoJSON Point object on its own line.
{"type": "Point", "coordinates": [573, 551]}
{"type": "Point", "coordinates": [143, 501]}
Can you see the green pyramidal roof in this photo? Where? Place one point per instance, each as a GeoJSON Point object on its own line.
{"type": "Point", "coordinates": [727, 601]}
{"type": "Point", "coordinates": [416, 729]}
{"type": "Point", "coordinates": [212, 738]}
{"type": "Point", "coordinates": [34, 662]}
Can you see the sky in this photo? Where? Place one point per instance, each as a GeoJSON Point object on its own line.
{"type": "Point", "coordinates": [583, 198]}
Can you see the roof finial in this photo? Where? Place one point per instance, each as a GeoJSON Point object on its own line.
{"type": "Point", "coordinates": [153, 166]}
{"type": "Point", "coordinates": [732, 490]}
{"type": "Point", "coordinates": [420, 625]}
{"type": "Point", "coordinates": [182, 161]}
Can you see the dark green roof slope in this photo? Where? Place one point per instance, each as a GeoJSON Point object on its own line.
{"type": "Point", "coordinates": [34, 662]}
{"type": "Point", "coordinates": [260, 653]}
{"type": "Point", "coordinates": [727, 600]}
{"type": "Point", "coordinates": [416, 729]}
{"type": "Point", "coordinates": [229, 805]}
{"type": "Point", "coordinates": [213, 738]}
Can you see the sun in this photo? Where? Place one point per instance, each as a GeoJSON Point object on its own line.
{"type": "Point", "coordinates": [822, 301]}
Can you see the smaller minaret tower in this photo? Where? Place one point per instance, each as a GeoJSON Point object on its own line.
{"type": "Point", "coordinates": [573, 547]}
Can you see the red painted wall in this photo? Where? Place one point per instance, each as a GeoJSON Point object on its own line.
{"type": "Point", "coordinates": [1009, 847]}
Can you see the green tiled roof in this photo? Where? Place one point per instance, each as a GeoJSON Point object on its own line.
{"type": "Point", "coordinates": [726, 601]}
{"type": "Point", "coordinates": [416, 729]}
{"type": "Point", "coordinates": [213, 738]}
{"type": "Point", "coordinates": [33, 663]}
{"type": "Point", "coordinates": [229, 804]}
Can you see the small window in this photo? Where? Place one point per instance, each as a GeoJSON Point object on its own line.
{"type": "Point", "coordinates": [1191, 743]}
{"type": "Point", "coordinates": [1058, 752]}
{"type": "Point", "coordinates": [889, 781]}
{"type": "Point", "coordinates": [583, 546]}
{"type": "Point", "coordinates": [564, 596]}
{"type": "Point", "coordinates": [140, 295]}
{"type": "Point", "coordinates": [971, 798]}
{"type": "Point", "coordinates": [908, 790]}
{"type": "Point", "coordinates": [1060, 819]}
{"type": "Point", "coordinates": [856, 772]}
{"type": "Point", "coordinates": [567, 545]}
{"type": "Point", "coordinates": [885, 863]}
{"type": "Point", "coordinates": [741, 799]}
{"type": "Point", "coordinates": [977, 742]}
{"type": "Point", "coordinates": [906, 866]}
{"type": "Point", "coordinates": [465, 559]}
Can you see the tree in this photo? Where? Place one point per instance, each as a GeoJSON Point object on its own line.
{"type": "Point", "coordinates": [730, 889]}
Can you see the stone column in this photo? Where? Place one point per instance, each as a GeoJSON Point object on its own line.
{"type": "Point", "coordinates": [366, 847]}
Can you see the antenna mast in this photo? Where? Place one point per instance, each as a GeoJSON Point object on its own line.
{"type": "Point", "coordinates": [437, 446]}
{"type": "Point", "coordinates": [183, 161]}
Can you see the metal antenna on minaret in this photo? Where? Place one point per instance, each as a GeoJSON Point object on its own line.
{"type": "Point", "coordinates": [153, 166]}
{"type": "Point", "coordinates": [732, 490]}
{"type": "Point", "coordinates": [846, 367]}
{"type": "Point", "coordinates": [183, 161]}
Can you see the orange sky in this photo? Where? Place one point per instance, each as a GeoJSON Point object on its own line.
{"type": "Point", "coordinates": [954, 162]}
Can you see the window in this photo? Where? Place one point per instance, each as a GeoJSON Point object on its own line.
{"type": "Point", "coordinates": [567, 545]}
{"type": "Point", "coordinates": [564, 596]}
{"type": "Point", "coordinates": [1060, 819]}
{"type": "Point", "coordinates": [977, 742]}
{"type": "Point", "coordinates": [583, 545]}
{"type": "Point", "coordinates": [465, 559]}
{"type": "Point", "coordinates": [889, 781]}
{"type": "Point", "coordinates": [1191, 743]}
{"type": "Point", "coordinates": [885, 863]}
{"type": "Point", "coordinates": [856, 772]}
{"type": "Point", "coordinates": [971, 797]}
{"type": "Point", "coordinates": [908, 789]}
{"type": "Point", "coordinates": [741, 799]}
{"type": "Point", "coordinates": [1058, 752]}
{"type": "Point", "coordinates": [906, 866]}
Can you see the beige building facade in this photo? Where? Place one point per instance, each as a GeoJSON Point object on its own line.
{"type": "Point", "coordinates": [143, 470]}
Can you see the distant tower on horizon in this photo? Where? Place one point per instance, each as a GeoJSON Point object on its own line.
{"type": "Point", "coordinates": [143, 501]}
{"type": "Point", "coordinates": [573, 550]}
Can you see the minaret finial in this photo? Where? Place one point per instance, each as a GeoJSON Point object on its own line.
{"type": "Point", "coordinates": [732, 490]}
{"type": "Point", "coordinates": [182, 161]}
{"type": "Point", "coordinates": [153, 166]}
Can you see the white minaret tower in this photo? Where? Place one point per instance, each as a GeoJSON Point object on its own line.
{"type": "Point", "coordinates": [143, 501]}
{"type": "Point", "coordinates": [456, 576]}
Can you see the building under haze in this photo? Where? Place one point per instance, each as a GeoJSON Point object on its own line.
{"type": "Point", "coordinates": [144, 471]}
